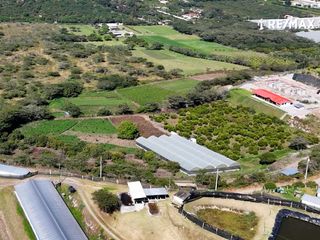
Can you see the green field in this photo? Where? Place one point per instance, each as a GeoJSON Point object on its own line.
{"type": "Point", "coordinates": [58, 127]}
{"type": "Point", "coordinates": [101, 126]}
{"type": "Point", "coordinates": [244, 98]}
{"type": "Point", "coordinates": [171, 60]}
{"type": "Point", "coordinates": [91, 102]}
{"type": "Point", "coordinates": [157, 92]}
{"type": "Point", "coordinates": [48, 127]}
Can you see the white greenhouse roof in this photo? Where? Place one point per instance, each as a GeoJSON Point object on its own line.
{"type": "Point", "coordinates": [310, 200]}
{"type": "Point", "coordinates": [155, 191]}
{"type": "Point", "coordinates": [136, 190]}
{"type": "Point", "coordinates": [191, 156]}
{"type": "Point", "coordinates": [14, 172]}
{"type": "Point", "coordinates": [46, 212]}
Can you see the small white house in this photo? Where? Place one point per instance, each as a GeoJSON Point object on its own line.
{"type": "Point", "coordinates": [180, 197]}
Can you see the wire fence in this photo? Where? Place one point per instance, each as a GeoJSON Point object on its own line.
{"type": "Point", "coordinates": [195, 195]}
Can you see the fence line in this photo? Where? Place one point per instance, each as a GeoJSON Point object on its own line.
{"type": "Point", "coordinates": [195, 195]}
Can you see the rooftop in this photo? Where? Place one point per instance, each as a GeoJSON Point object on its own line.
{"type": "Point", "coordinates": [46, 212]}
{"type": "Point", "coordinates": [290, 171]}
{"type": "Point", "coordinates": [272, 96]}
{"type": "Point", "coordinates": [136, 191]}
{"type": "Point", "coordinates": [155, 191]}
{"type": "Point", "coordinates": [190, 155]}
{"type": "Point", "coordinates": [14, 172]}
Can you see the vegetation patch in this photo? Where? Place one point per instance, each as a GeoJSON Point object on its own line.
{"type": "Point", "coordinates": [101, 126]}
{"type": "Point", "coordinates": [26, 225]}
{"type": "Point", "coordinates": [234, 131]}
{"type": "Point", "coordinates": [244, 98]}
{"type": "Point", "coordinates": [237, 223]}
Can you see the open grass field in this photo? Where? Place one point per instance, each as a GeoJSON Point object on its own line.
{"type": "Point", "coordinates": [12, 225]}
{"type": "Point", "coordinates": [157, 92]}
{"type": "Point", "coordinates": [190, 66]}
{"type": "Point", "coordinates": [101, 126]}
{"type": "Point", "coordinates": [243, 97]}
{"type": "Point", "coordinates": [91, 102]}
{"type": "Point", "coordinates": [169, 37]}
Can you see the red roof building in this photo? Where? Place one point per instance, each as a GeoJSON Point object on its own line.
{"type": "Point", "coordinates": [271, 97]}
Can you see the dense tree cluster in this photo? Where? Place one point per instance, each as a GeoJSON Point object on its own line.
{"type": "Point", "coordinates": [234, 131]}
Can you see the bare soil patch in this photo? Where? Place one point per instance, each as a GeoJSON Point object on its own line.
{"type": "Point", "coordinates": [4, 230]}
{"type": "Point", "coordinates": [144, 124]}
{"type": "Point", "coordinates": [106, 139]}
{"type": "Point", "coordinates": [209, 76]}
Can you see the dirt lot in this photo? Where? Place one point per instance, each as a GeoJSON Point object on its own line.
{"type": "Point", "coordinates": [209, 76]}
{"type": "Point", "coordinates": [145, 126]}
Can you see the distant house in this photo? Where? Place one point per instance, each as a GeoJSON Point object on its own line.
{"type": "Point", "coordinates": [271, 97]}
{"type": "Point", "coordinates": [290, 171]}
{"type": "Point", "coordinates": [141, 195]}
{"type": "Point", "coordinates": [118, 30]}
{"type": "Point", "coordinates": [306, 3]}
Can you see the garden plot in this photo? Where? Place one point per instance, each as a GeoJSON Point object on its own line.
{"type": "Point", "coordinates": [296, 91]}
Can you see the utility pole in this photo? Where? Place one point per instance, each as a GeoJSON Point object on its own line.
{"type": "Point", "coordinates": [217, 177]}
{"type": "Point", "coordinates": [100, 166]}
{"type": "Point", "coordinates": [307, 168]}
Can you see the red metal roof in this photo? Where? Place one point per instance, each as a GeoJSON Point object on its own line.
{"type": "Point", "coordinates": [272, 96]}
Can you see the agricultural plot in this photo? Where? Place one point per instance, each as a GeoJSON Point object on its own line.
{"type": "Point", "coordinates": [190, 65]}
{"type": "Point", "coordinates": [99, 126]}
{"type": "Point", "coordinates": [48, 127]}
{"type": "Point", "coordinates": [169, 37]}
{"type": "Point", "coordinates": [157, 92]}
{"type": "Point", "coordinates": [91, 102]}
{"type": "Point", "coordinates": [243, 97]}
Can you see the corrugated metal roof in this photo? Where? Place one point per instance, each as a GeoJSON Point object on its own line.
{"type": "Point", "coordinates": [191, 156]}
{"type": "Point", "coordinates": [11, 171]}
{"type": "Point", "coordinates": [311, 200]}
{"type": "Point", "coordinates": [47, 213]}
{"type": "Point", "coordinates": [290, 171]}
{"type": "Point", "coordinates": [155, 191]}
{"type": "Point", "coordinates": [272, 96]}
{"type": "Point", "coordinates": [136, 190]}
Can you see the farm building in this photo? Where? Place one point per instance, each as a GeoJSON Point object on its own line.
{"type": "Point", "coordinates": [180, 197]}
{"type": "Point", "coordinates": [311, 201]}
{"type": "Point", "coordinates": [191, 156]}
{"type": "Point", "coordinates": [140, 194]}
{"type": "Point", "coordinates": [291, 171]}
{"type": "Point", "coordinates": [46, 212]}
{"type": "Point", "coordinates": [271, 97]}
{"type": "Point", "coordinates": [13, 172]}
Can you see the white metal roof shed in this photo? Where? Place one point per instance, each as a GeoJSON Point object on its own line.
{"type": "Point", "coordinates": [136, 190]}
{"type": "Point", "coordinates": [46, 212]}
{"type": "Point", "coordinates": [155, 192]}
{"type": "Point", "coordinates": [311, 201]}
{"type": "Point", "coordinates": [13, 172]}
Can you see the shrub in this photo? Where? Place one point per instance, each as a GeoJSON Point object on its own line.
{"type": "Point", "coordinates": [124, 109]}
{"type": "Point", "coordinates": [270, 186]}
{"type": "Point", "coordinates": [128, 130]}
{"type": "Point", "coordinates": [298, 143]}
{"type": "Point", "coordinates": [311, 184]}
{"type": "Point", "coordinates": [104, 112]}
{"type": "Point", "coordinates": [298, 184]}
{"type": "Point", "coordinates": [72, 109]}
{"type": "Point", "coordinates": [107, 201]}
{"type": "Point", "coordinates": [267, 158]}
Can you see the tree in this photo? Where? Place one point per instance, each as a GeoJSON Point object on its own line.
{"type": "Point", "coordinates": [107, 201]}
{"type": "Point", "coordinates": [299, 143]}
{"type": "Point", "coordinates": [128, 130]}
{"type": "Point", "coordinates": [156, 46]}
{"type": "Point", "coordinates": [72, 109]}
{"type": "Point", "coordinates": [177, 102]}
